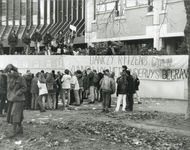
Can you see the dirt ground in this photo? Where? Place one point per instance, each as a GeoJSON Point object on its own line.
{"type": "Point", "coordinates": [156, 124]}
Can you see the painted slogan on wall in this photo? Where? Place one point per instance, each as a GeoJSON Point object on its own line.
{"type": "Point", "coordinates": [146, 67]}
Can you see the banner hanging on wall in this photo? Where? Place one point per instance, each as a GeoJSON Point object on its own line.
{"type": "Point", "coordinates": [146, 67]}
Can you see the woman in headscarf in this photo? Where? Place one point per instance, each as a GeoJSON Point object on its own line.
{"type": "Point", "coordinates": [16, 87]}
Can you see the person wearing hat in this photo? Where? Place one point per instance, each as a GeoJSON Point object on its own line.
{"type": "Point", "coordinates": [16, 88]}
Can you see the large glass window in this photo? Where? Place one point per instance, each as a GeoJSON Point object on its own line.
{"type": "Point", "coordinates": [17, 13]}
{"type": "Point", "coordinates": [23, 12]}
{"type": "Point", "coordinates": [4, 12]}
{"type": "Point", "coordinates": [10, 12]}
{"type": "Point", "coordinates": [35, 12]}
{"type": "Point", "coordinates": [48, 11]}
{"type": "Point", "coordinates": [42, 12]}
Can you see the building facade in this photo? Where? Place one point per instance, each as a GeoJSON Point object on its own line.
{"type": "Point", "coordinates": [159, 23]}
{"type": "Point", "coordinates": [52, 15]}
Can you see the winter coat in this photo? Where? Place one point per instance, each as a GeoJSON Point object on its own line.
{"type": "Point", "coordinates": [54, 89]}
{"type": "Point", "coordinates": [13, 39]}
{"type": "Point", "coordinates": [137, 82]}
{"type": "Point", "coordinates": [26, 39]}
{"type": "Point", "coordinates": [131, 85]}
{"type": "Point", "coordinates": [121, 86]}
{"type": "Point", "coordinates": [47, 38]}
{"type": "Point", "coordinates": [50, 82]}
{"type": "Point", "coordinates": [80, 80]}
{"type": "Point", "coordinates": [28, 79]}
{"type": "Point", "coordinates": [112, 84]}
{"type": "Point", "coordinates": [3, 84]}
{"type": "Point", "coordinates": [36, 37]}
{"type": "Point", "coordinates": [16, 87]}
{"type": "Point", "coordinates": [34, 87]}
{"type": "Point", "coordinates": [60, 38]}
{"type": "Point", "coordinates": [91, 78]}
{"type": "Point", "coordinates": [85, 83]}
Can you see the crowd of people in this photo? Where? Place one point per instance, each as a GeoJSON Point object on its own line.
{"type": "Point", "coordinates": [43, 91]}
{"type": "Point", "coordinates": [58, 45]}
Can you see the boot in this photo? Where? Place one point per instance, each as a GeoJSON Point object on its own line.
{"type": "Point", "coordinates": [13, 134]}
{"type": "Point", "coordinates": [20, 131]}
{"type": "Point", "coordinates": [14, 131]}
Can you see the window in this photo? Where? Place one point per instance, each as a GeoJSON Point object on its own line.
{"type": "Point", "coordinates": [42, 12]}
{"type": "Point", "coordinates": [48, 11]}
{"type": "Point", "coordinates": [110, 6]}
{"type": "Point", "coordinates": [132, 3]}
{"type": "Point", "coordinates": [35, 12]}
{"type": "Point", "coordinates": [17, 13]}
{"type": "Point", "coordinates": [120, 7]}
{"type": "Point", "coordinates": [4, 12]}
{"type": "Point", "coordinates": [10, 12]}
{"type": "Point", "coordinates": [101, 7]}
{"type": "Point", "coordinates": [23, 12]}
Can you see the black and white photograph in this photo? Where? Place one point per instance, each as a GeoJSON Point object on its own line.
{"type": "Point", "coordinates": [94, 75]}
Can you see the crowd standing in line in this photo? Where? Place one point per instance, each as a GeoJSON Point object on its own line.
{"type": "Point", "coordinates": [43, 91]}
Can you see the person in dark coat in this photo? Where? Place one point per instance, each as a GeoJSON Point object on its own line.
{"type": "Point", "coordinates": [12, 41]}
{"type": "Point", "coordinates": [35, 92]}
{"type": "Point", "coordinates": [122, 87]}
{"type": "Point", "coordinates": [101, 75]}
{"type": "Point", "coordinates": [28, 78]}
{"type": "Point", "coordinates": [131, 90]}
{"type": "Point", "coordinates": [52, 88]}
{"type": "Point", "coordinates": [85, 85]}
{"type": "Point", "coordinates": [16, 88]}
{"type": "Point", "coordinates": [37, 37]}
{"type": "Point", "coordinates": [60, 40]}
{"type": "Point", "coordinates": [1, 48]}
{"type": "Point", "coordinates": [58, 92]}
{"type": "Point", "coordinates": [3, 91]}
{"type": "Point", "coordinates": [90, 76]}
{"type": "Point", "coordinates": [47, 40]}
{"type": "Point", "coordinates": [26, 40]}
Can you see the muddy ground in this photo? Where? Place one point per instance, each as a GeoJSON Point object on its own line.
{"type": "Point", "coordinates": [154, 125]}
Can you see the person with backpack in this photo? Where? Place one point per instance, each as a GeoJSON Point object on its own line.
{"type": "Point", "coordinates": [108, 88]}
{"type": "Point", "coordinates": [96, 83]}
{"type": "Point", "coordinates": [3, 91]}
{"type": "Point", "coordinates": [122, 86]}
